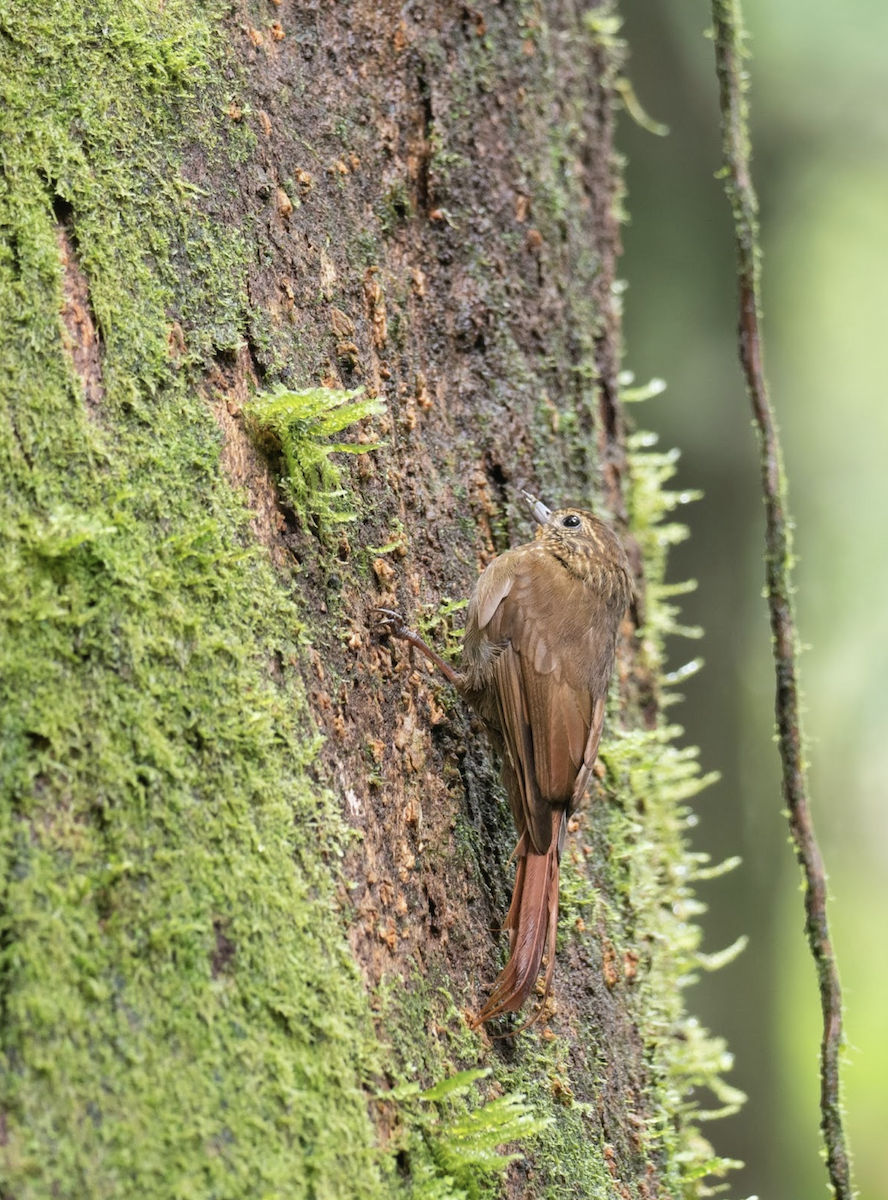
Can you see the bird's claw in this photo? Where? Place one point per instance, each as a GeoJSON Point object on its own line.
{"type": "Point", "coordinates": [390, 622]}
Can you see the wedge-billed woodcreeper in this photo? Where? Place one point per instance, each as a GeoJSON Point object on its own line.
{"type": "Point", "coordinates": [538, 653]}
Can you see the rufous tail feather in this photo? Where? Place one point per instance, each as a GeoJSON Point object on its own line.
{"type": "Point", "coordinates": [532, 922]}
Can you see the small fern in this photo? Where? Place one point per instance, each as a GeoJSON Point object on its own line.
{"type": "Point", "coordinates": [450, 1152]}
{"type": "Point", "coordinates": [299, 425]}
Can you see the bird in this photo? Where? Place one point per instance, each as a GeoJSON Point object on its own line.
{"type": "Point", "coordinates": [537, 659]}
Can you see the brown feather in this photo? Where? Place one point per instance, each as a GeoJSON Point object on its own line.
{"type": "Point", "coordinates": [532, 922]}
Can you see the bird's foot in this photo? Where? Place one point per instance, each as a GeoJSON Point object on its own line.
{"type": "Point", "coordinates": [392, 623]}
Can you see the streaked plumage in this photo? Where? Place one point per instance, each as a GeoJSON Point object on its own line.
{"type": "Point", "coordinates": [538, 654]}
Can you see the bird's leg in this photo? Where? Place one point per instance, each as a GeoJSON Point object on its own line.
{"type": "Point", "coordinates": [392, 623]}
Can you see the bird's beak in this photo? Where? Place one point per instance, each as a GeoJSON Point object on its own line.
{"type": "Point", "coordinates": [541, 514]}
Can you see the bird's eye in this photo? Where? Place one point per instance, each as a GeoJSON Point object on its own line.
{"type": "Point", "coordinates": [570, 522]}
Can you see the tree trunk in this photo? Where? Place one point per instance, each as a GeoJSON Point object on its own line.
{"type": "Point", "coordinates": [225, 941]}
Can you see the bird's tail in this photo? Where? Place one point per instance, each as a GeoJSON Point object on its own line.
{"type": "Point", "coordinates": [532, 922]}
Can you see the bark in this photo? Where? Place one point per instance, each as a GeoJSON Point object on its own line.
{"type": "Point", "coordinates": [223, 941]}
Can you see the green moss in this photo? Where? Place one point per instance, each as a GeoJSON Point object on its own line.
{"type": "Point", "coordinates": [441, 626]}
{"type": "Point", "coordinates": [451, 1147]}
{"type": "Point", "coordinates": [396, 208]}
{"type": "Point", "coordinates": [572, 1157]}
{"type": "Point", "coordinates": [654, 779]}
{"type": "Point", "coordinates": [569, 1157]}
{"type": "Point", "coordinates": [180, 1013]}
{"type": "Point", "coordinates": [300, 424]}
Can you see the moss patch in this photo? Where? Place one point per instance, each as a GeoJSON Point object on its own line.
{"type": "Point", "coordinates": [180, 1014]}
{"type": "Point", "coordinates": [298, 425]}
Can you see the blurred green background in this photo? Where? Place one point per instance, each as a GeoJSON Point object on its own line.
{"type": "Point", "coordinates": [820, 131]}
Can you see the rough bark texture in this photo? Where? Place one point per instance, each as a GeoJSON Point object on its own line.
{"type": "Point", "coordinates": [221, 940]}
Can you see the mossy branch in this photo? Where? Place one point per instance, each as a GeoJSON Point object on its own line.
{"type": "Point", "coordinates": [728, 35]}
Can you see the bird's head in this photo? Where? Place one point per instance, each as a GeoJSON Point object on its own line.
{"type": "Point", "coordinates": [576, 536]}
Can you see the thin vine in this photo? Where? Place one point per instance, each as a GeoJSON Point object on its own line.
{"type": "Point", "coordinates": [728, 35]}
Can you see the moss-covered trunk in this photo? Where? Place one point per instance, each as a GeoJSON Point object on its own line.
{"type": "Point", "coordinates": [252, 858]}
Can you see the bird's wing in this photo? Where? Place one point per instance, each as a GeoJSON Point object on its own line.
{"type": "Point", "coordinates": [591, 752]}
{"type": "Point", "coordinates": [494, 584]}
{"type": "Point", "coordinates": [549, 719]}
